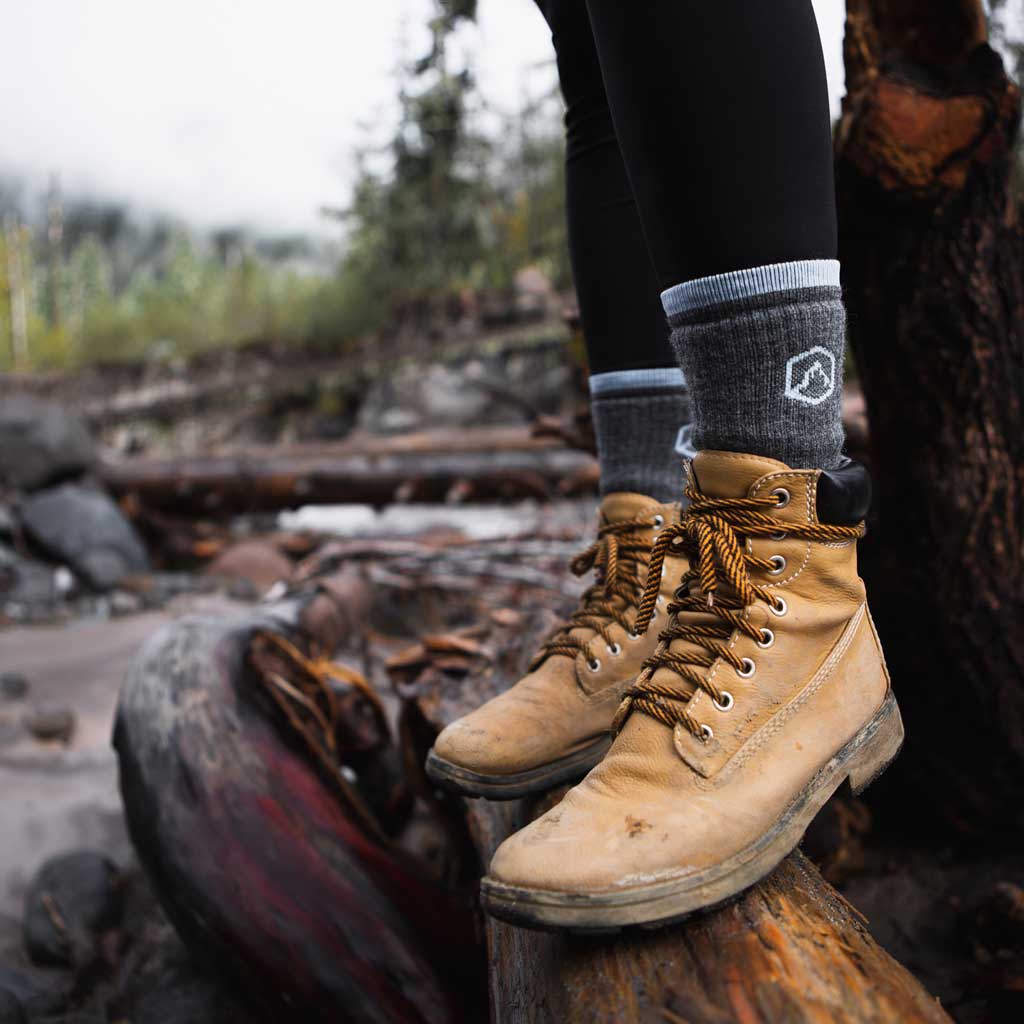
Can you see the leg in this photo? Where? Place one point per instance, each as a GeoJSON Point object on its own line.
{"type": "Point", "coordinates": [768, 689]}
{"type": "Point", "coordinates": [639, 402]}
{"type": "Point", "coordinates": [552, 726]}
{"type": "Point", "coordinates": [722, 115]}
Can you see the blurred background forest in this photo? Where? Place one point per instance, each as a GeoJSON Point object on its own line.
{"type": "Point", "coordinates": [448, 209]}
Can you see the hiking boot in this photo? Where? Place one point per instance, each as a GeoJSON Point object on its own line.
{"type": "Point", "coordinates": [768, 690]}
{"type": "Point", "coordinates": [552, 726]}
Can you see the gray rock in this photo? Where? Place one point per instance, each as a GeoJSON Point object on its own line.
{"type": "Point", "coordinates": [13, 685]}
{"type": "Point", "coordinates": [51, 723]}
{"type": "Point", "coordinates": [40, 443]}
{"type": "Point", "coordinates": [37, 992]}
{"type": "Point", "coordinates": [25, 582]}
{"type": "Point", "coordinates": [81, 890]}
{"type": "Point", "coordinates": [86, 529]}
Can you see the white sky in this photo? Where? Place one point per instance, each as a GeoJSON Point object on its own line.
{"type": "Point", "coordinates": [237, 111]}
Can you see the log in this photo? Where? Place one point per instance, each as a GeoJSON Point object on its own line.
{"type": "Point", "coordinates": [273, 868]}
{"type": "Point", "coordinates": [932, 251]}
{"type": "Point", "coordinates": [791, 949]}
{"type": "Point", "coordinates": [483, 465]}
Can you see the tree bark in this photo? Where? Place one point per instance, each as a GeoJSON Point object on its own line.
{"type": "Point", "coordinates": [271, 866]}
{"type": "Point", "coordinates": [791, 949]}
{"type": "Point", "coordinates": [932, 251]}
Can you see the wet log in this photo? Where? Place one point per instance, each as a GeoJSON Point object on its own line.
{"type": "Point", "coordinates": [482, 465]}
{"type": "Point", "coordinates": [271, 865]}
{"type": "Point", "coordinates": [791, 949]}
{"type": "Point", "coordinates": [932, 251]}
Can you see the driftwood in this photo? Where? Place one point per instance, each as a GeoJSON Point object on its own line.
{"type": "Point", "coordinates": [792, 949]}
{"type": "Point", "coordinates": [273, 868]}
{"type": "Point", "coordinates": [933, 259]}
{"type": "Point", "coordinates": [482, 465]}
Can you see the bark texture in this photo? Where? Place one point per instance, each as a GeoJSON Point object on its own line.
{"type": "Point", "coordinates": [790, 950]}
{"type": "Point", "coordinates": [271, 866]}
{"type": "Point", "coordinates": [933, 262]}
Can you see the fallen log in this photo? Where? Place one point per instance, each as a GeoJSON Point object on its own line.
{"type": "Point", "coordinates": [791, 949]}
{"type": "Point", "coordinates": [233, 752]}
{"type": "Point", "coordinates": [482, 465]}
{"type": "Point", "coordinates": [932, 247]}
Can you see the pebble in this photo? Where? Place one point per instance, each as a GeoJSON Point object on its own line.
{"type": "Point", "coordinates": [13, 685]}
{"type": "Point", "coordinates": [70, 901]}
{"type": "Point", "coordinates": [51, 723]}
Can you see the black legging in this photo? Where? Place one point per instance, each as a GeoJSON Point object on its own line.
{"type": "Point", "coordinates": [697, 142]}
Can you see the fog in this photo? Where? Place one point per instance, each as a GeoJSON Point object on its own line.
{"type": "Point", "coordinates": [227, 112]}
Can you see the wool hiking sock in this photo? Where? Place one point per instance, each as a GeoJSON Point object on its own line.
{"type": "Point", "coordinates": [641, 419]}
{"type": "Point", "coordinates": [762, 353]}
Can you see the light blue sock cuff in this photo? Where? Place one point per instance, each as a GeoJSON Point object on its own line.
{"type": "Point", "coordinates": [747, 284]}
{"type": "Point", "coordinates": [623, 381]}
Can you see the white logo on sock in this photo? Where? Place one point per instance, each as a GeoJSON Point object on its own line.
{"type": "Point", "coordinates": [811, 376]}
{"type": "Point", "coordinates": [684, 442]}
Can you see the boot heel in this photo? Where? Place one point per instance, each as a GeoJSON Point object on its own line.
{"type": "Point", "coordinates": [877, 746]}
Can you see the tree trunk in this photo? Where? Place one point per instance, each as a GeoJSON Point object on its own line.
{"type": "Point", "coordinates": [791, 949]}
{"type": "Point", "coordinates": [933, 261]}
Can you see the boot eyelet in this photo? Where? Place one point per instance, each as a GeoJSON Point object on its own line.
{"type": "Point", "coordinates": [782, 497]}
{"type": "Point", "coordinates": [749, 668]}
{"type": "Point", "coordinates": [594, 665]}
{"type": "Point", "coordinates": [681, 593]}
{"type": "Point", "coordinates": [779, 607]}
{"type": "Point", "coordinates": [706, 733]}
{"type": "Point", "coordinates": [777, 536]}
{"type": "Point", "coordinates": [631, 635]}
{"type": "Point", "coordinates": [614, 650]}
{"type": "Point", "coordinates": [727, 701]}
{"type": "Point", "coordinates": [677, 541]}
{"type": "Point", "coordinates": [659, 522]}
{"type": "Point", "coordinates": [767, 639]}
{"type": "Point", "coordinates": [780, 565]}
{"type": "Point", "coordinates": [661, 599]}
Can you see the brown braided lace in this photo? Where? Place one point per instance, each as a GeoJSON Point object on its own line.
{"type": "Point", "coordinates": [716, 586]}
{"type": "Point", "coordinates": [617, 557]}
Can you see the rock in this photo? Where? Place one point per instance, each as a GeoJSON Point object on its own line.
{"type": "Point", "coordinates": [7, 523]}
{"type": "Point", "coordinates": [70, 901]}
{"type": "Point", "coordinates": [10, 1008]}
{"type": "Point", "coordinates": [25, 582]}
{"type": "Point", "coordinates": [86, 529]}
{"type": "Point", "coordinates": [255, 561]}
{"type": "Point", "coordinates": [51, 723]}
{"type": "Point", "coordinates": [41, 443]}
{"type": "Point", "coordinates": [13, 685]}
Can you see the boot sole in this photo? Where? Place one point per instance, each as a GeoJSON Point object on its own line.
{"type": "Point", "coordinates": [465, 782]}
{"type": "Point", "coordinates": [860, 762]}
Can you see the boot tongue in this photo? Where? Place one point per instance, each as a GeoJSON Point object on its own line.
{"type": "Point", "coordinates": [731, 475]}
{"type": "Point", "coordinates": [621, 506]}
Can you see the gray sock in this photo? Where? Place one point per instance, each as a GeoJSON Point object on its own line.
{"type": "Point", "coordinates": [640, 419]}
{"type": "Point", "coordinates": [762, 351]}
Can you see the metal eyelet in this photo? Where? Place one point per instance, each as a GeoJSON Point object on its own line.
{"type": "Point", "coordinates": [783, 497]}
{"type": "Point", "coordinates": [780, 608]}
{"type": "Point", "coordinates": [727, 701]}
{"type": "Point", "coordinates": [767, 639]}
{"type": "Point", "coordinates": [594, 665]}
{"type": "Point", "coordinates": [632, 636]}
{"type": "Point", "coordinates": [706, 733]}
{"type": "Point", "coordinates": [777, 536]}
{"type": "Point", "coordinates": [780, 565]}
{"type": "Point", "coordinates": [681, 593]}
{"type": "Point", "coordinates": [654, 614]}
{"type": "Point", "coordinates": [614, 650]}
{"type": "Point", "coordinates": [661, 599]}
{"type": "Point", "coordinates": [749, 668]}
{"type": "Point", "coordinates": [659, 521]}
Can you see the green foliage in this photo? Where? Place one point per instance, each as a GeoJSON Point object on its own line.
{"type": "Point", "coordinates": [460, 198]}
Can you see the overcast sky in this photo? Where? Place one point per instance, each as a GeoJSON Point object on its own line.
{"type": "Point", "coordinates": [237, 111]}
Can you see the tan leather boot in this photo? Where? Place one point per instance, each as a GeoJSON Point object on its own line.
{"type": "Point", "coordinates": [552, 726]}
{"type": "Point", "coordinates": [768, 691]}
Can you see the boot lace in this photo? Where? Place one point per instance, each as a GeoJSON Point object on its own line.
{"type": "Point", "coordinates": [717, 585]}
{"type": "Point", "coordinates": [617, 558]}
